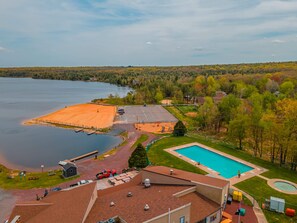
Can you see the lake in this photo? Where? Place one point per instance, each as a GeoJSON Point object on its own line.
{"type": "Point", "coordinates": [29, 147]}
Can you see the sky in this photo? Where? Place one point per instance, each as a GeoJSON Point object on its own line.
{"type": "Point", "coordinates": [146, 32]}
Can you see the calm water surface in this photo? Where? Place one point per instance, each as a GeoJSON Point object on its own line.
{"type": "Point", "coordinates": [33, 146]}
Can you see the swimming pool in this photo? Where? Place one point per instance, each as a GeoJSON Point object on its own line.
{"type": "Point", "coordinates": [285, 186]}
{"type": "Point", "coordinates": [227, 167]}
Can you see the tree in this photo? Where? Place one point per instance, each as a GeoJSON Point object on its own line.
{"type": "Point", "coordinates": [255, 124]}
{"type": "Point", "coordinates": [207, 114]}
{"type": "Point", "coordinates": [227, 108]}
{"type": "Point", "coordinates": [179, 129]}
{"type": "Point", "coordinates": [200, 85]}
{"type": "Point", "coordinates": [238, 128]}
{"type": "Point", "coordinates": [212, 86]}
{"type": "Point", "coordinates": [158, 95]}
{"type": "Point", "coordinates": [139, 157]}
{"type": "Point", "coordinates": [287, 88]}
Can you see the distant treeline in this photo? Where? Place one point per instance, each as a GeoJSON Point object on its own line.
{"type": "Point", "coordinates": [154, 83]}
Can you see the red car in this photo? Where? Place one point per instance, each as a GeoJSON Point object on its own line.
{"type": "Point", "coordinates": [106, 174]}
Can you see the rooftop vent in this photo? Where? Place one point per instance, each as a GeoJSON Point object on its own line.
{"type": "Point", "coordinates": [146, 207]}
{"type": "Point", "coordinates": [171, 171]}
{"type": "Point", "coordinates": [112, 204]}
{"type": "Point", "coordinates": [129, 194]}
{"type": "Point", "coordinates": [147, 183]}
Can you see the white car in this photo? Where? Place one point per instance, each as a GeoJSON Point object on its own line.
{"type": "Point", "coordinates": [81, 182]}
{"type": "Point", "coordinates": [84, 182]}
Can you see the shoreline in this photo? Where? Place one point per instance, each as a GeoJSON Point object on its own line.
{"type": "Point", "coordinates": [34, 121]}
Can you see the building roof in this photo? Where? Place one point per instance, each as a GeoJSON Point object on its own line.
{"type": "Point", "coordinates": [159, 198]}
{"type": "Point", "coordinates": [61, 206]}
{"type": "Point", "coordinates": [72, 205]}
{"type": "Point", "coordinates": [66, 164]}
{"type": "Point", "coordinates": [191, 177]}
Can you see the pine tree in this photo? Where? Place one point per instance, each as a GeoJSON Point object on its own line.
{"type": "Point", "coordinates": [139, 157]}
{"type": "Point", "coordinates": [179, 129]}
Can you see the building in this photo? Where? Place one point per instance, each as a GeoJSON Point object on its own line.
{"type": "Point", "coordinates": [173, 196]}
{"type": "Point", "coordinates": [71, 205]}
{"type": "Point", "coordinates": [69, 168]}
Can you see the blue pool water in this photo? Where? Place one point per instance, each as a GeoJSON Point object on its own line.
{"type": "Point", "coordinates": [227, 168]}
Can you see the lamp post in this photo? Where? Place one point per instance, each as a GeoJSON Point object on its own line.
{"type": "Point", "coordinates": [42, 166]}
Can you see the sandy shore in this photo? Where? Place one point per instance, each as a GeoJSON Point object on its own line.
{"type": "Point", "coordinates": [89, 116]}
{"type": "Point", "coordinates": [157, 127]}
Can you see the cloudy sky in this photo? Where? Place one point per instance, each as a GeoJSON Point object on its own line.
{"type": "Point", "coordinates": [146, 32]}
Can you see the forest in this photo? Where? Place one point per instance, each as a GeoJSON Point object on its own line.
{"type": "Point", "coordinates": [253, 106]}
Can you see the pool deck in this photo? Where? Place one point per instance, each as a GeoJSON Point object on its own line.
{"type": "Point", "coordinates": [254, 172]}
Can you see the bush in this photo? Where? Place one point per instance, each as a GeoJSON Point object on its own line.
{"type": "Point", "coordinates": [179, 129]}
{"type": "Point", "coordinates": [138, 158]}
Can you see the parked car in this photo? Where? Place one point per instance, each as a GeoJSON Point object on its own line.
{"type": "Point", "coordinates": [121, 111]}
{"type": "Point", "coordinates": [56, 189]}
{"type": "Point", "coordinates": [106, 174]}
{"type": "Point", "coordinates": [81, 183]}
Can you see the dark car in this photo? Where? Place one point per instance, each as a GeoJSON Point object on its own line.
{"type": "Point", "coordinates": [56, 189]}
{"type": "Point", "coordinates": [121, 111]}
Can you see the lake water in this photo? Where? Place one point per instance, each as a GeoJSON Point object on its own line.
{"type": "Point", "coordinates": [32, 146]}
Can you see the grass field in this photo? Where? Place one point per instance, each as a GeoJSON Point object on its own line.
{"type": "Point", "coordinates": [141, 140]}
{"type": "Point", "coordinates": [189, 122]}
{"type": "Point", "coordinates": [42, 180]}
{"type": "Point", "coordinates": [258, 188]}
{"type": "Point", "coordinates": [158, 156]}
{"type": "Point", "coordinates": [187, 108]}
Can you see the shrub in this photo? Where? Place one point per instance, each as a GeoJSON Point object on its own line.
{"type": "Point", "coordinates": [179, 129]}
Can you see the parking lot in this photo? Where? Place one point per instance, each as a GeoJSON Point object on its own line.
{"type": "Point", "coordinates": [145, 114]}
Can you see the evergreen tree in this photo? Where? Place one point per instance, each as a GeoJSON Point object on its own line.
{"type": "Point", "coordinates": [139, 157]}
{"type": "Point", "coordinates": [179, 129]}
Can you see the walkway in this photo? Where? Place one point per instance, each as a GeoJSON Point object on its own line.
{"type": "Point", "coordinates": [257, 209]}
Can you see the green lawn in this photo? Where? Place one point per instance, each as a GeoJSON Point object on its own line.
{"type": "Point", "coordinates": [158, 156]}
{"type": "Point", "coordinates": [141, 139]}
{"type": "Point", "coordinates": [188, 121]}
{"type": "Point", "coordinates": [42, 181]}
{"type": "Point", "coordinates": [187, 108]}
{"type": "Point", "coordinates": [258, 188]}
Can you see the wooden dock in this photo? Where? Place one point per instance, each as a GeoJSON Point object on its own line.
{"type": "Point", "coordinates": [78, 130]}
{"type": "Point", "coordinates": [84, 156]}
{"type": "Point", "coordinates": [91, 132]}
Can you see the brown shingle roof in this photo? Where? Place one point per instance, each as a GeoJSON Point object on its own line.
{"type": "Point", "coordinates": [184, 175]}
{"type": "Point", "coordinates": [62, 206]}
{"type": "Point", "coordinates": [158, 197]}
{"type": "Point", "coordinates": [200, 206]}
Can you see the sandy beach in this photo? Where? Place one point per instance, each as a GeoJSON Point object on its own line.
{"type": "Point", "coordinates": [90, 116]}
{"type": "Point", "coordinates": [157, 127]}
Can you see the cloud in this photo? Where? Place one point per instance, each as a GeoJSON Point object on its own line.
{"type": "Point", "coordinates": [2, 49]}
{"type": "Point", "coordinates": [92, 32]}
{"type": "Point", "coordinates": [198, 49]}
{"type": "Point", "coordinates": [278, 41]}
